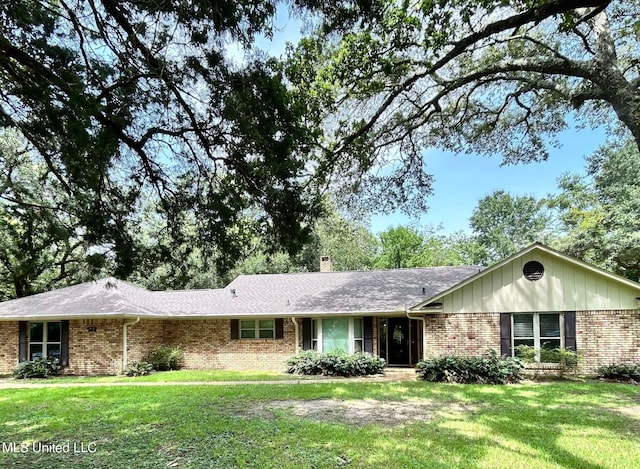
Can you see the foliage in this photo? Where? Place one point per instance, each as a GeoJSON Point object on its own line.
{"type": "Point", "coordinates": [566, 359]}
{"type": "Point", "coordinates": [405, 246]}
{"type": "Point", "coordinates": [488, 77]}
{"type": "Point", "coordinates": [621, 371]}
{"type": "Point", "coordinates": [41, 246]}
{"type": "Point", "coordinates": [504, 224]}
{"type": "Point", "coordinates": [134, 369]}
{"type": "Point", "coordinates": [599, 211]}
{"type": "Point", "coordinates": [128, 102]}
{"type": "Point", "coordinates": [484, 369]}
{"type": "Point", "coordinates": [165, 357]}
{"type": "Point", "coordinates": [337, 363]}
{"type": "Point", "coordinates": [38, 368]}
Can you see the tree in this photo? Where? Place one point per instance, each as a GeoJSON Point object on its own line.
{"type": "Point", "coordinates": [504, 224]}
{"type": "Point", "coordinates": [400, 247]}
{"type": "Point", "coordinates": [41, 245]}
{"type": "Point", "coordinates": [126, 101]}
{"type": "Point", "coordinates": [489, 77]}
{"type": "Point", "coordinates": [600, 211]}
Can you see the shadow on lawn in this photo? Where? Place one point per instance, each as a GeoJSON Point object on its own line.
{"type": "Point", "coordinates": [531, 426]}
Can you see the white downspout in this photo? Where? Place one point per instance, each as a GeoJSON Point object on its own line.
{"type": "Point", "coordinates": [124, 341]}
{"type": "Point", "coordinates": [297, 333]}
{"type": "Point", "coordinates": [424, 333]}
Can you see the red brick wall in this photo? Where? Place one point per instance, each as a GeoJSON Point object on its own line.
{"type": "Point", "coordinates": [95, 353]}
{"type": "Point", "coordinates": [207, 344]}
{"type": "Point", "coordinates": [607, 337]}
{"type": "Point", "coordinates": [602, 337]}
{"type": "Point", "coordinates": [9, 347]}
{"type": "Point", "coordinates": [462, 334]}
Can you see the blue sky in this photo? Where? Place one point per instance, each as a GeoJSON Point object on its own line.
{"type": "Point", "coordinates": [462, 180]}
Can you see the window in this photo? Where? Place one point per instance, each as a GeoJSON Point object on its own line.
{"type": "Point", "coordinates": [332, 334]}
{"type": "Point", "coordinates": [258, 329]}
{"type": "Point", "coordinates": [542, 331]}
{"type": "Point", "coordinates": [44, 339]}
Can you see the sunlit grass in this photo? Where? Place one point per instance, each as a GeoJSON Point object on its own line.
{"type": "Point", "coordinates": [585, 425]}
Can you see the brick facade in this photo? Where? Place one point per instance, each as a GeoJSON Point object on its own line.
{"type": "Point", "coordinates": [95, 346]}
{"type": "Point", "coordinates": [9, 348]}
{"type": "Point", "coordinates": [207, 344]}
{"type": "Point", "coordinates": [462, 334]}
{"type": "Point", "coordinates": [602, 337]}
{"type": "Point", "coordinates": [607, 337]}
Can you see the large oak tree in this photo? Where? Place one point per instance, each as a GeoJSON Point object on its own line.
{"type": "Point", "coordinates": [482, 76]}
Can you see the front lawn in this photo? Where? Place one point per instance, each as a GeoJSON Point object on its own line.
{"type": "Point", "coordinates": [346, 424]}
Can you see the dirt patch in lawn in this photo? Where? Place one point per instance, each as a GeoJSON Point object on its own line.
{"type": "Point", "coordinates": [360, 412]}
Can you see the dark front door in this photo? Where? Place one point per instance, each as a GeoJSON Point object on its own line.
{"type": "Point", "coordinates": [399, 339]}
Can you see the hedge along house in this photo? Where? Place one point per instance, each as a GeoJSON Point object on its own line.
{"type": "Point", "coordinates": [538, 297]}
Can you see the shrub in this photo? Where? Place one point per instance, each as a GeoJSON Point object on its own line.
{"type": "Point", "coordinates": [138, 369]}
{"type": "Point", "coordinates": [484, 369]}
{"type": "Point", "coordinates": [338, 363]}
{"type": "Point", "coordinates": [165, 357]}
{"type": "Point", "coordinates": [38, 368]}
{"type": "Point", "coordinates": [621, 371]}
{"type": "Point", "coordinates": [567, 360]}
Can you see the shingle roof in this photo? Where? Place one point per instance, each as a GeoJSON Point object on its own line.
{"type": "Point", "coordinates": [104, 297]}
{"type": "Point", "coordinates": [378, 291]}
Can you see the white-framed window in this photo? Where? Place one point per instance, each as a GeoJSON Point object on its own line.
{"type": "Point", "coordinates": [257, 329]}
{"type": "Point", "coordinates": [542, 331]}
{"type": "Point", "coordinates": [45, 339]}
{"type": "Point", "coordinates": [330, 334]}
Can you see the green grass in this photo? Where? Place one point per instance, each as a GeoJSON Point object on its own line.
{"type": "Point", "coordinates": [175, 376]}
{"type": "Point", "coordinates": [569, 425]}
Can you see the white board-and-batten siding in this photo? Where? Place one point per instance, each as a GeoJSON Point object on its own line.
{"type": "Point", "coordinates": [565, 286]}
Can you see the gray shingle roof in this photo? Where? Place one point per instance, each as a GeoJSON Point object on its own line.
{"type": "Point", "coordinates": [378, 291]}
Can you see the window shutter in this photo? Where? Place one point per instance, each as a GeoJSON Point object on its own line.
{"type": "Point", "coordinates": [367, 331]}
{"type": "Point", "coordinates": [570, 330]}
{"type": "Point", "coordinates": [23, 353]}
{"type": "Point", "coordinates": [279, 328]}
{"type": "Point", "coordinates": [505, 334]}
{"type": "Point", "coordinates": [306, 334]}
{"type": "Point", "coordinates": [235, 329]}
{"type": "Point", "coordinates": [64, 343]}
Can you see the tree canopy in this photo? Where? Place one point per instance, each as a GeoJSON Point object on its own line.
{"type": "Point", "coordinates": [489, 77]}
{"type": "Point", "coordinates": [131, 101]}
{"type": "Point", "coordinates": [504, 224]}
{"type": "Point", "coordinates": [599, 211]}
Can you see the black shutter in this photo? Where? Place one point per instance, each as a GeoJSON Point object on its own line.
{"type": "Point", "coordinates": [235, 328]}
{"type": "Point", "coordinates": [505, 334]}
{"type": "Point", "coordinates": [279, 328]}
{"type": "Point", "coordinates": [23, 353]}
{"type": "Point", "coordinates": [64, 343]}
{"type": "Point", "coordinates": [570, 330]}
{"type": "Point", "coordinates": [367, 330]}
{"type": "Point", "coordinates": [306, 334]}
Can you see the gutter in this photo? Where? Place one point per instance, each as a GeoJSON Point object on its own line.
{"type": "Point", "coordinates": [424, 330]}
{"type": "Point", "coordinates": [124, 341]}
{"type": "Point", "coordinates": [297, 333]}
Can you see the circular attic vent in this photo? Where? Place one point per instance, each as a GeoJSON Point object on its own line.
{"type": "Point", "coordinates": [533, 270]}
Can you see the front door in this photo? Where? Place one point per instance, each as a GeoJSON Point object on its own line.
{"type": "Point", "coordinates": [399, 341]}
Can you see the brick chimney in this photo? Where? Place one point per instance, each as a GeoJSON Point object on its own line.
{"type": "Point", "coordinates": [326, 265]}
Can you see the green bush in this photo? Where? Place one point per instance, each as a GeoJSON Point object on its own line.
{"type": "Point", "coordinates": [484, 369]}
{"type": "Point", "coordinates": [565, 358]}
{"type": "Point", "coordinates": [138, 369]}
{"type": "Point", "coordinates": [621, 371]}
{"type": "Point", "coordinates": [38, 368]}
{"type": "Point", "coordinates": [338, 363]}
{"type": "Point", "coordinates": [165, 357]}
